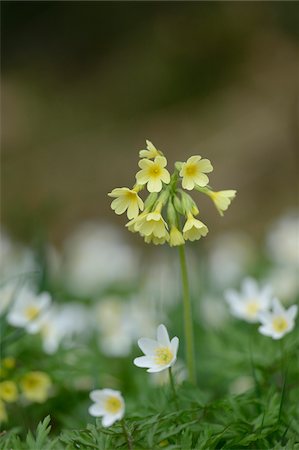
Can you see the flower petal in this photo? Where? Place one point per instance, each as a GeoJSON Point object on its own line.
{"type": "Point", "coordinates": [292, 312]}
{"type": "Point", "coordinates": [148, 346]}
{"type": "Point", "coordinates": [154, 185]}
{"type": "Point", "coordinates": [143, 361]}
{"type": "Point", "coordinates": [174, 344]}
{"type": "Point", "coordinates": [108, 420]}
{"type": "Point", "coordinates": [162, 336]}
{"type": "Point", "coordinates": [96, 410]}
{"type": "Point", "coordinates": [201, 180]}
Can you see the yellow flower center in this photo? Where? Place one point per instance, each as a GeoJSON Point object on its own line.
{"type": "Point", "coordinates": [191, 170]}
{"type": "Point", "coordinates": [155, 171]}
{"type": "Point", "coordinates": [131, 196]}
{"type": "Point", "coordinates": [31, 312]}
{"type": "Point", "coordinates": [113, 404]}
{"type": "Point", "coordinates": [163, 355]}
{"type": "Point", "coordinates": [252, 308]}
{"type": "Point", "coordinates": [280, 324]}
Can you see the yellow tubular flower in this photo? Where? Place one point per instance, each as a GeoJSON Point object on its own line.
{"type": "Point", "coordinates": [35, 386]}
{"type": "Point", "coordinates": [134, 224]}
{"type": "Point", "coordinates": [126, 200]}
{"type": "Point", "coordinates": [8, 391]}
{"type": "Point", "coordinates": [153, 173]}
{"type": "Point", "coordinates": [3, 413]}
{"type": "Point", "coordinates": [175, 237]}
{"type": "Point", "coordinates": [153, 223]}
{"type": "Point", "coordinates": [193, 172]}
{"type": "Point", "coordinates": [152, 239]}
{"type": "Point", "coordinates": [151, 151]}
{"type": "Point", "coordinates": [222, 199]}
{"type": "Point", "coordinates": [194, 229]}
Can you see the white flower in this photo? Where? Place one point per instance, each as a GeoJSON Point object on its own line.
{"type": "Point", "coordinates": [61, 325]}
{"type": "Point", "coordinates": [7, 293]}
{"type": "Point", "coordinates": [231, 253]}
{"type": "Point", "coordinates": [87, 251]}
{"type": "Point", "coordinates": [108, 404]}
{"type": "Point", "coordinates": [283, 240]}
{"type": "Point", "coordinates": [27, 308]}
{"type": "Point", "coordinates": [279, 321]}
{"type": "Point", "coordinates": [248, 303]}
{"type": "Point", "coordinates": [119, 323]}
{"type": "Point", "coordinates": [160, 354]}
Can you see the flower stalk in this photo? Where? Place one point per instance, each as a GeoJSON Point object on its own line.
{"type": "Point", "coordinates": [188, 323]}
{"type": "Point", "coordinates": [173, 388]}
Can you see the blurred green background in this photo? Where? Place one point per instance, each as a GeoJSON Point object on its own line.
{"type": "Point", "coordinates": [85, 83]}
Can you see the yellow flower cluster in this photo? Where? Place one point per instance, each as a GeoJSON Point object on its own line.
{"type": "Point", "coordinates": [166, 197]}
{"type": "Point", "coordinates": [32, 386]}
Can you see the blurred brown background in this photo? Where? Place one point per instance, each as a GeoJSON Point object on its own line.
{"type": "Point", "coordinates": [85, 83]}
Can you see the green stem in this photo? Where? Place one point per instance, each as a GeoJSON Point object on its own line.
{"type": "Point", "coordinates": [173, 388]}
{"type": "Point", "coordinates": [283, 377]}
{"type": "Point", "coordinates": [188, 324]}
{"type": "Point", "coordinates": [127, 434]}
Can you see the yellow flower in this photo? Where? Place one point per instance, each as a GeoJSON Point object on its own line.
{"type": "Point", "coordinates": [153, 173]}
{"type": "Point", "coordinates": [9, 362]}
{"type": "Point", "coordinates": [222, 199]}
{"type": "Point", "coordinates": [152, 239]}
{"type": "Point", "coordinates": [126, 200]}
{"type": "Point", "coordinates": [3, 413]}
{"type": "Point", "coordinates": [134, 224]}
{"type": "Point", "coordinates": [8, 391]}
{"type": "Point", "coordinates": [194, 229]}
{"type": "Point", "coordinates": [153, 224]}
{"type": "Point", "coordinates": [151, 151]}
{"type": "Point", "coordinates": [176, 237]}
{"type": "Point", "coordinates": [193, 172]}
{"type": "Point", "coordinates": [35, 386]}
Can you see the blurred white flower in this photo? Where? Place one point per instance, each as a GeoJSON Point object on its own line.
{"type": "Point", "coordinates": [113, 323]}
{"type": "Point", "coordinates": [241, 385]}
{"type": "Point", "coordinates": [279, 321]}
{"type": "Point", "coordinates": [119, 323]}
{"type": "Point", "coordinates": [108, 404]}
{"type": "Point", "coordinates": [284, 281]}
{"type": "Point", "coordinates": [62, 325]}
{"type": "Point", "coordinates": [15, 259]}
{"type": "Point", "coordinates": [229, 258]}
{"type": "Point", "coordinates": [283, 240]}
{"type": "Point", "coordinates": [250, 301]}
{"type": "Point", "coordinates": [27, 308]}
{"type": "Point", "coordinates": [7, 294]}
{"type": "Point", "coordinates": [212, 312]}
{"type": "Point", "coordinates": [160, 354]}
{"type": "Point", "coordinates": [95, 256]}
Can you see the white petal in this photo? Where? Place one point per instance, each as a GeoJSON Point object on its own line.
{"type": "Point", "coordinates": [108, 420]}
{"type": "Point", "coordinates": [148, 346]}
{"type": "Point", "coordinates": [277, 307]}
{"type": "Point", "coordinates": [292, 312]}
{"type": "Point", "coordinates": [96, 410]}
{"type": "Point", "coordinates": [174, 345]}
{"type": "Point", "coordinates": [162, 336]}
{"type": "Point", "coordinates": [250, 287]}
{"type": "Point", "coordinates": [143, 361]}
{"type": "Point", "coordinates": [265, 317]}
{"type": "Point", "coordinates": [155, 369]}
{"type": "Point", "coordinates": [97, 395]}
{"type": "Point", "coordinates": [265, 330]}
